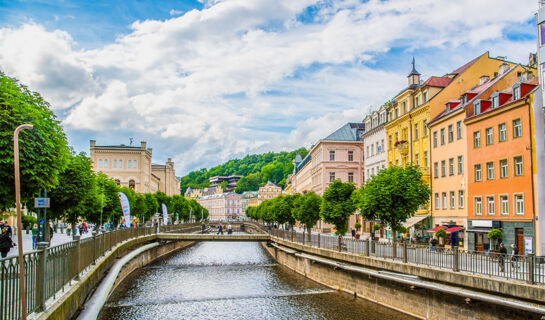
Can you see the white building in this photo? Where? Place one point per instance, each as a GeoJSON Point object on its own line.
{"type": "Point", "coordinates": [374, 141]}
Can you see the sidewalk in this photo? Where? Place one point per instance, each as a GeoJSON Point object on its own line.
{"type": "Point", "coordinates": [58, 238]}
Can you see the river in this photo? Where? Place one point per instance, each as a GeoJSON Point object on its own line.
{"type": "Point", "coordinates": [231, 280]}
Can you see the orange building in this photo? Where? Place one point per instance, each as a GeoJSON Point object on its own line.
{"type": "Point", "coordinates": [500, 162]}
{"type": "Point", "coordinates": [449, 154]}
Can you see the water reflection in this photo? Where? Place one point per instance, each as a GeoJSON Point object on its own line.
{"type": "Point", "coordinates": [225, 280]}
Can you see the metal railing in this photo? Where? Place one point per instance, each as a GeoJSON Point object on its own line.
{"type": "Point", "coordinates": [528, 268]}
{"type": "Point", "coordinates": [49, 270]}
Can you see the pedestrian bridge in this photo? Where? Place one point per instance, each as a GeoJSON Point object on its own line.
{"type": "Point", "coordinates": [213, 237]}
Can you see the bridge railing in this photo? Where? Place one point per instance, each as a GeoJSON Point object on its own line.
{"type": "Point", "coordinates": [527, 268]}
{"type": "Point", "coordinates": [49, 270]}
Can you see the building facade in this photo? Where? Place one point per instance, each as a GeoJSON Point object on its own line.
{"type": "Point", "coordinates": [374, 141]}
{"type": "Point", "coordinates": [268, 191]}
{"type": "Point", "coordinates": [230, 180]}
{"type": "Point", "coordinates": [132, 167]}
{"type": "Point", "coordinates": [223, 206]}
{"type": "Point", "coordinates": [249, 199]}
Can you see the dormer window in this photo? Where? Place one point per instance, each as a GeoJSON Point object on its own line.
{"type": "Point", "coordinates": [516, 92]}
{"type": "Point", "coordinates": [477, 108]}
{"type": "Point", "coordinates": [495, 101]}
{"type": "Point", "coordinates": [464, 99]}
{"type": "Point", "coordinates": [425, 97]}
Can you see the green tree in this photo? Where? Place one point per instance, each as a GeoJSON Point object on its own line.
{"type": "Point", "coordinates": [223, 185]}
{"type": "Point", "coordinates": [140, 207]}
{"type": "Point", "coordinates": [249, 183]}
{"type": "Point", "coordinates": [179, 205]}
{"type": "Point", "coordinates": [43, 151]}
{"type": "Point", "coordinates": [282, 206]}
{"type": "Point", "coordinates": [337, 205]}
{"type": "Point", "coordinates": [152, 206]}
{"type": "Point", "coordinates": [395, 194]}
{"type": "Point", "coordinates": [307, 209]}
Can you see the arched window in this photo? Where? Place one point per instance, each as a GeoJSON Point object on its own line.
{"type": "Point", "coordinates": [100, 163]}
{"type": "Point", "coordinates": [117, 181]}
{"type": "Point", "coordinates": [132, 184]}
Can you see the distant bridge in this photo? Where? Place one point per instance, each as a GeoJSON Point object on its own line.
{"type": "Point", "coordinates": [214, 237]}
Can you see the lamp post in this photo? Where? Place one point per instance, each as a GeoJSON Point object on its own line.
{"type": "Point", "coordinates": [18, 207]}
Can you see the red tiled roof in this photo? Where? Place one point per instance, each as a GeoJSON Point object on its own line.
{"type": "Point", "coordinates": [437, 82]}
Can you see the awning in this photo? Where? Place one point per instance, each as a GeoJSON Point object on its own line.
{"type": "Point", "coordinates": [414, 220]}
{"type": "Point", "coordinates": [479, 230]}
{"type": "Point", "coordinates": [454, 229]}
{"type": "Point", "coordinates": [436, 228]}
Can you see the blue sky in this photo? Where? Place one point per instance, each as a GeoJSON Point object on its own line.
{"type": "Point", "coordinates": [206, 81]}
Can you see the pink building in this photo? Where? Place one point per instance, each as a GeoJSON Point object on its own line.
{"type": "Point", "coordinates": [338, 156]}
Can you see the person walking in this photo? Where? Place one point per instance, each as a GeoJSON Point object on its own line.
{"type": "Point", "coordinates": [35, 236]}
{"type": "Point", "coordinates": [514, 256]}
{"type": "Point", "coordinates": [229, 229]}
{"type": "Point", "coordinates": [353, 233]}
{"type": "Point", "coordinates": [5, 242]}
{"type": "Point", "coordinates": [501, 258]}
{"type": "Point", "coordinates": [433, 243]}
{"type": "Point", "coordinates": [220, 229]}
{"type": "Point", "coordinates": [203, 227]}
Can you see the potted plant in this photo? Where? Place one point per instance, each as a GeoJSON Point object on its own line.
{"type": "Point", "coordinates": [494, 235]}
{"type": "Point", "coordinates": [357, 226]}
{"type": "Point", "coordinates": [376, 228]}
{"type": "Point", "coordinates": [441, 234]}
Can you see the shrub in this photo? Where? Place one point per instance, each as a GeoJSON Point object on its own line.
{"type": "Point", "coordinates": [376, 227]}
{"type": "Point", "coordinates": [495, 234]}
{"type": "Point", "coordinates": [357, 225]}
{"type": "Point", "coordinates": [441, 233]}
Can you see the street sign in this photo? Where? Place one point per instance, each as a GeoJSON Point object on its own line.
{"type": "Point", "coordinates": [41, 202]}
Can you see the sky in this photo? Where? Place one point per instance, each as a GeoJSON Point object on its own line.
{"type": "Point", "coordinates": [205, 81]}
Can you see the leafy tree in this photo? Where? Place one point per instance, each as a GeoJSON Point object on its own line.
{"type": "Point", "coordinates": [394, 195]}
{"type": "Point", "coordinates": [223, 185]}
{"type": "Point", "coordinates": [250, 182]}
{"type": "Point", "coordinates": [307, 209]}
{"type": "Point", "coordinates": [281, 207]}
{"type": "Point", "coordinates": [140, 207]}
{"type": "Point", "coordinates": [43, 151]}
{"type": "Point", "coordinates": [152, 206]}
{"type": "Point", "coordinates": [178, 204]}
{"type": "Point", "coordinates": [337, 205]}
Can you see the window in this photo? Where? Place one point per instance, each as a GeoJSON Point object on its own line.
{"type": "Point", "coordinates": [437, 201]}
{"type": "Point", "coordinates": [460, 164]}
{"type": "Point", "coordinates": [416, 131]}
{"type": "Point", "coordinates": [390, 142]}
{"type": "Point", "coordinates": [452, 200]}
{"type": "Point", "coordinates": [490, 170]}
{"type": "Point", "coordinates": [368, 176]}
{"type": "Point", "coordinates": [516, 93]}
{"type": "Point", "coordinates": [443, 136]}
{"type": "Point", "coordinates": [435, 139]}
{"type": "Point", "coordinates": [504, 168]}
{"type": "Point", "coordinates": [331, 155]}
{"type": "Point", "coordinates": [121, 163]}
{"type": "Point", "coordinates": [489, 136]}
{"type": "Point", "coordinates": [459, 130]}
{"type": "Point", "coordinates": [350, 155]}
{"type": "Point", "coordinates": [426, 159]}
{"type": "Point", "coordinates": [397, 136]}
{"type": "Point", "coordinates": [477, 139]}
{"type": "Point", "coordinates": [417, 102]}
{"type": "Point", "coordinates": [331, 176]}
{"type": "Point", "coordinates": [490, 206]}
{"type": "Point", "coordinates": [425, 97]}
{"type": "Point", "coordinates": [372, 149]}
{"type": "Point", "coordinates": [478, 176]}
{"type": "Point", "coordinates": [451, 166]}
{"type": "Point", "coordinates": [367, 152]}
{"type": "Point", "coordinates": [461, 199]}
{"type": "Point", "coordinates": [517, 128]}
{"type": "Point", "coordinates": [519, 204]}
{"type": "Point", "coordinates": [100, 163]}
{"type": "Point", "coordinates": [504, 203]}
{"type": "Point", "coordinates": [495, 101]}
{"type": "Point", "coordinates": [134, 164]}
{"type": "Point", "coordinates": [478, 206]}
{"type": "Point", "coordinates": [404, 107]}
{"type": "Point", "coordinates": [132, 184]}
{"type": "Point", "coordinates": [502, 130]}
{"type": "Point", "coordinates": [351, 177]}
{"type": "Point", "coordinates": [435, 170]}
{"type": "Point", "coordinates": [417, 159]}
{"type": "Point", "coordinates": [105, 163]}
{"type": "Point", "coordinates": [443, 168]}
{"type": "Point", "coordinates": [477, 108]}
{"type": "Point", "coordinates": [444, 198]}
{"type": "Point", "coordinates": [450, 133]}
{"type": "Point", "coordinates": [518, 166]}
{"type": "Point", "coordinates": [115, 164]}
{"type": "Point", "coordinates": [382, 145]}
{"type": "Point", "coordinates": [129, 164]}
{"type": "Point", "coordinates": [425, 128]}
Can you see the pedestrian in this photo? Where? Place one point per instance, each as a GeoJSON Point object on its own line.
{"type": "Point", "coordinates": [51, 230]}
{"type": "Point", "coordinates": [9, 229]}
{"type": "Point", "coordinates": [514, 256]}
{"type": "Point", "coordinates": [220, 229]}
{"type": "Point", "coordinates": [85, 227]}
{"type": "Point", "coordinates": [433, 243]}
{"type": "Point", "coordinates": [5, 242]}
{"type": "Point", "coordinates": [35, 236]}
{"type": "Point", "coordinates": [203, 227]}
{"type": "Point", "coordinates": [229, 229]}
{"type": "Point", "coordinates": [353, 233]}
{"type": "Point", "coordinates": [501, 257]}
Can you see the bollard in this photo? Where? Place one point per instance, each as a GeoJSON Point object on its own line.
{"type": "Point", "coordinates": [367, 247]}
{"type": "Point", "coordinates": [318, 240]}
{"type": "Point", "coordinates": [455, 259]}
{"type": "Point", "coordinates": [41, 285]}
{"type": "Point", "coordinates": [530, 259]}
{"type": "Point", "coordinates": [405, 252]}
{"type": "Point", "coordinates": [78, 250]}
{"type": "Point", "coordinates": [339, 242]}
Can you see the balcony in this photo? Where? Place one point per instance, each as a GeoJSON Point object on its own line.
{"type": "Point", "coordinates": [402, 146]}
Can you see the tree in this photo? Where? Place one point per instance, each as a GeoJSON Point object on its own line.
{"type": "Point", "coordinates": [337, 205]}
{"type": "Point", "coordinates": [152, 206]}
{"type": "Point", "coordinates": [394, 195]}
{"type": "Point", "coordinates": [249, 183]}
{"type": "Point", "coordinates": [307, 209]}
{"type": "Point", "coordinates": [179, 205]}
{"type": "Point", "coordinates": [43, 151]}
{"type": "Point", "coordinates": [140, 207]}
{"type": "Point", "coordinates": [223, 185]}
{"type": "Point", "coordinates": [282, 206]}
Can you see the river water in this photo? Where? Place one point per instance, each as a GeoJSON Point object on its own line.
{"type": "Point", "coordinates": [231, 280]}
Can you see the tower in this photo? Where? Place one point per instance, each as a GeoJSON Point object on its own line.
{"type": "Point", "coordinates": [414, 76]}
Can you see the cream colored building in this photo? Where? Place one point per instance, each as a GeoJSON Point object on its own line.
{"type": "Point", "coordinates": [131, 166]}
{"type": "Point", "coordinates": [223, 206]}
{"type": "Point", "coordinates": [268, 191]}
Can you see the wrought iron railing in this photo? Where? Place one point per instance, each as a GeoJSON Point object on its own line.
{"type": "Point", "coordinates": [527, 268]}
{"type": "Point", "coordinates": [49, 270]}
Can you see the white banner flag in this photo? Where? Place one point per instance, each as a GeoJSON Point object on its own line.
{"type": "Point", "coordinates": [165, 214]}
{"type": "Point", "coordinates": [126, 208]}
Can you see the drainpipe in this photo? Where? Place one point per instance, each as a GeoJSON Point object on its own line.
{"type": "Point", "coordinates": [532, 151]}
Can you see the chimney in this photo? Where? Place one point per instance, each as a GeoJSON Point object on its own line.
{"type": "Point", "coordinates": [504, 67]}
{"type": "Point", "coordinates": [93, 144]}
{"type": "Point", "coordinates": [484, 78]}
{"type": "Point", "coordinates": [143, 145]}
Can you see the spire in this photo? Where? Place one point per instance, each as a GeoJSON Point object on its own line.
{"type": "Point", "coordinates": [414, 69]}
{"type": "Point", "coordinates": [414, 77]}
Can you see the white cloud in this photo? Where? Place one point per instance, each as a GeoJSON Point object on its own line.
{"type": "Point", "coordinates": [247, 76]}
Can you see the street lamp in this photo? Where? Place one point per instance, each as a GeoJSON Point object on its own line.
{"type": "Point", "coordinates": [18, 207]}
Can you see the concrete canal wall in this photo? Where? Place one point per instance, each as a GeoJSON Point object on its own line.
{"type": "Point", "coordinates": [352, 274]}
